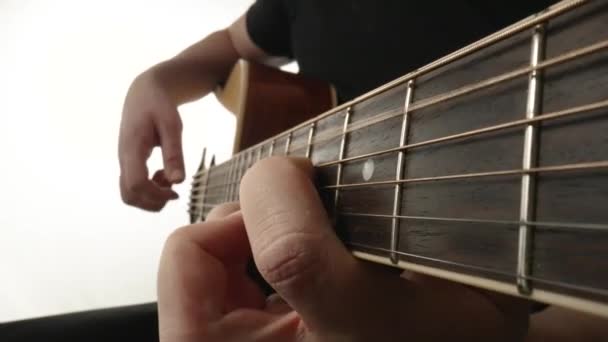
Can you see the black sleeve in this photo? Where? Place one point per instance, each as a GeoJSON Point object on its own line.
{"type": "Point", "coordinates": [268, 25]}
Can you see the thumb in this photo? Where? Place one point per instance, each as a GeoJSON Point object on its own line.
{"type": "Point", "coordinates": [170, 134]}
{"type": "Point", "coordinates": [292, 240]}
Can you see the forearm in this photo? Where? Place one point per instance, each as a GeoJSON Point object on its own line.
{"type": "Point", "coordinates": [197, 70]}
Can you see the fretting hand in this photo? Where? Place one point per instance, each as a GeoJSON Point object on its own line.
{"type": "Point", "coordinates": [205, 295]}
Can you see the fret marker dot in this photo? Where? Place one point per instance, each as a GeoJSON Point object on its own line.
{"type": "Point", "coordinates": [368, 169]}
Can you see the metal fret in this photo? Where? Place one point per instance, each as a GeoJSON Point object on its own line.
{"type": "Point", "coordinates": [545, 117]}
{"type": "Point", "coordinates": [349, 111]}
{"type": "Point", "coordinates": [204, 194]}
{"type": "Point", "coordinates": [228, 189]}
{"type": "Point", "coordinates": [468, 89]}
{"type": "Point", "coordinates": [399, 175]}
{"type": "Point", "coordinates": [554, 11]}
{"type": "Point", "coordinates": [193, 210]}
{"type": "Point", "coordinates": [258, 154]}
{"type": "Point", "coordinates": [529, 161]}
{"type": "Point", "coordinates": [287, 143]}
{"type": "Point", "coordinates": [271, 149]}
{"type": "Point", "coordinates": [239, 175]}
{"type": "Point", "coordinates": [311, 133]}
{"type": "Point", "coordinates": [228, 181]}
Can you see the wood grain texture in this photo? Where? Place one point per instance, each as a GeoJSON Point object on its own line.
{"type": "Point", "coordinates": [279, 100]}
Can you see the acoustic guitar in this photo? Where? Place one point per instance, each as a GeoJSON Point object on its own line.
{"type": "Point", "coordinates": [487, 167]}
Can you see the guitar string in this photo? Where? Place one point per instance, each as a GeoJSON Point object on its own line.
{"type": "Point", "coordinates": [529, 22]}
{"type": "Point", "coordinates": [295, 148]}
{"type": "Point", "coordinates": [548, 169]}
{"type": "Point", "coordinates": [437, 99]}
{"type": "Point", "coordinates": [541, 224]}
{"type": "Point", "coordinates": [540, 118]}
{"type": "Point", "coordinates": [562, 284]}
{"type": "Point", "coordinates": [332, 133]}
{"type": "Point", "coordinates": [467, 89]}
{"type": "Point", "coordinates": [359, 247]}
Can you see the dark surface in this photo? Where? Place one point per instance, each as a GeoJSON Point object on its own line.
{"type": "Point", "coordinates": [357, 45]}
{"type": "Point", "coordinates": [137, 323]}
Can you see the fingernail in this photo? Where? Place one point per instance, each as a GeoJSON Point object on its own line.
{"type": "Point", "coordinates": [176, 176]}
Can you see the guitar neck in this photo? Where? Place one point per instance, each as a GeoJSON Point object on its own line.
{"type": "Point", "coordinates": [488, 167]}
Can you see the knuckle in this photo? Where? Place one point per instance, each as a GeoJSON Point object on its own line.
{"type": "Point", "coordinates": [128, 199]}
{"type": "Point", "coordinates": [134, 188]}
{"type": "Point", "coordinates": [173, 157]}
{"type": "Point", "coordinates": [177, 238]}
{"type": "Point", "coordinates": [290, 262]}
{"type": "Point", "coordinates": [127, 196]}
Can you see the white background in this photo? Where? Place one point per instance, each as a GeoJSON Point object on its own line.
{"type": "Point", "coordinates": [66, 240]}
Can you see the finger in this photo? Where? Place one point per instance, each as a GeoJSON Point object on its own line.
{"type": "Point", "coordinates": [170, 133]}
{"type": "Point", "coordinates": [193, 276]}
{"type": "Point", "coordinates": [292, 240]}
{"type": "Point", "coordinates": [287, 327]}
{"type": "Point", "coordinates": [259, 326]}
{"type": "Point", "coordinates": [146, 197]}
{"type": "Point", "coordinates": [276, 304]}
{"type": "Point", "coordinates": [160, 179]}
{"type": "Point", "coordinates": [223, 210]}
{"type": "Point", "coordinates": [135, 183]}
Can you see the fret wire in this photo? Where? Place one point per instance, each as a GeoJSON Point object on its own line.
{"type": "Point", "coordinates": [587, 289]}
{"type": "Point", "coordinates": [218, 185]}
{"type": "Point", "coordinates": [237, 181]}
{"type": "Point", "coordinates": [235, 177]}
{"type": "Point", "coordinates": [228, 188]}
{"type": "Point", "coordinates": [216, 170]}
{"type": "Point", "coordinates": [566, 57]}
{"type": "Point", "coordinates": [399, 173]}
{"type": "Point", "coordinates": [529, 161]}
{"type": "Point", "coordinates": [515, 123]}
{"type": "Point", "coordinates": [349, 111]}
{"type": "Point", "coordinates": [228, 179]}
{"type": "Point", "coordinates": [220, 170]}
{"type": "Point", "coordinates": [311, 133]}
{"type": "Point", "coordinates": [258, 155]}
{"type": "Point", "coordinates": [540, 224]}
{"type": "Point", "coordinates": [468, 89]}
{"type": "Point", "coordinates": [204, 193]}
{"type": "Point", "coordinates": [545, 169]}
{"type": "Point", "coordinates": [458, 92]}
{"type": "Point", "coordinates": [533, 20]}
{"type": "Point", "coordinates": [271, 149]}
{"type": "Point", "coordinates": [287, 143]}
{"type": "Point", "coordinates": [216, 196]}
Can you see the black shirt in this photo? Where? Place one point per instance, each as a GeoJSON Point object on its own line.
{"type": "Point", "coordinates": [358, 45]}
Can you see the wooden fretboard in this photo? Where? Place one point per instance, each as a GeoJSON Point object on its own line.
{"type": "Point", "coordinates": [488, 166]}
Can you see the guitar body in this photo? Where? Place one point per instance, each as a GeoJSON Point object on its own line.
{"type": "Point", "coordinates": [267, 101]}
